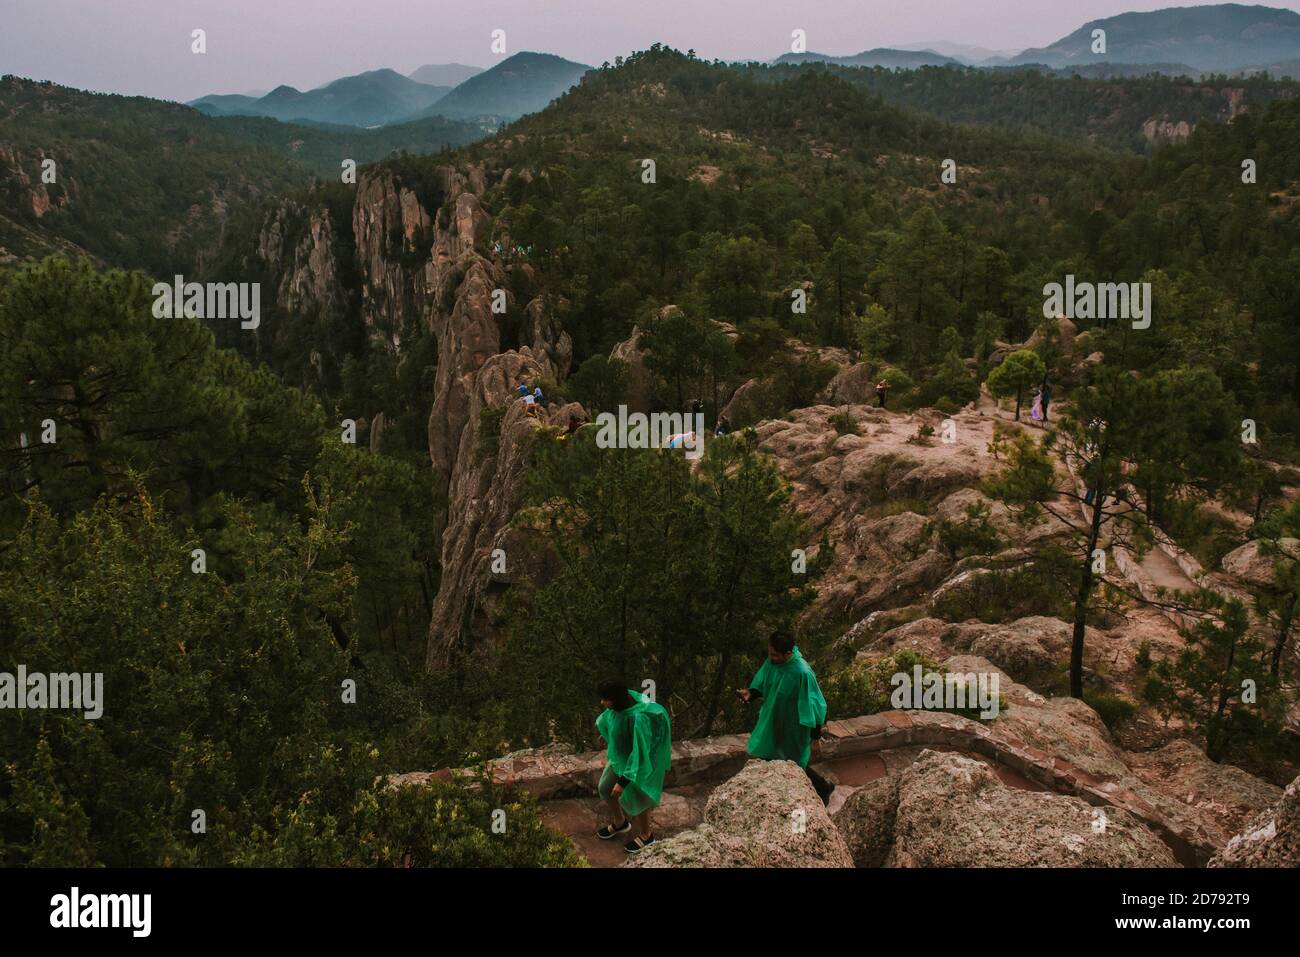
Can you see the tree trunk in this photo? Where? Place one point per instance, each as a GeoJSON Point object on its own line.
{"type": "Point", "coordinates": [1081, 599]}
{"type": "Point", "coordinates": [1283, 633]}
{"type": "Point", "coordinates": [715, 695]}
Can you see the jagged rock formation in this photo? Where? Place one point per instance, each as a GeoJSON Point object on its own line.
{"type": "Point", "coordinates": [418, 253]}
{"type": "Point", "coordinates": [484, 494]}
{"type": "Point", "coordinates": [768, 815]}
{"type": "Point", "coordinates": [947, 810]}
{"type": "Point", "coordinates": [1166, 131]}
{"type": "Point", "coordinates": [630, 353]}
{"type": "Point", "coordinates": [1271, 840]}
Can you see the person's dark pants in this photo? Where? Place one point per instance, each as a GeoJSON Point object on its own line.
{"type": "Point", "coordinates": [820, 784]}
{"type": "Point", "coordinates": [880, 397]}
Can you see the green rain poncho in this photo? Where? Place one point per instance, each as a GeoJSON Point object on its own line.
{"type": "Point", "coordinates": [792, 707]}
{"type": "Point", "coordinates": [639, 749]}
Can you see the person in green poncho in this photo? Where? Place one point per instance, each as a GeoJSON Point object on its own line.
{"type": "Point", "coordinates": [638, 752]}
{"type": "Point", "coordinates": [792, 711]}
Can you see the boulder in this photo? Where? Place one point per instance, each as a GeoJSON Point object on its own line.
{"type": "Point", "coordinates": [746, 404]}
{"type": "Point", "coordinates": [953, 811]}
{"type": "Point", "coordinates": [1248, 564]}
{"type": "Point", "coordinates": [1028, 646]}
{"type": "Point", "coordinates": [768, 815]}
{"type": "Point", "coordinates": [866, 820]}
{"type": "Point", "coordinates": [852, 385]}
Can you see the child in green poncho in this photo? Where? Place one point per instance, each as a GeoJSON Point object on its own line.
{"type": "Point", "coordinates": [792, 710]}
{"type": "Point", "coordinates": [638, 752]}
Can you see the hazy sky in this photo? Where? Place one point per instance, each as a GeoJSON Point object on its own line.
{"type": "Point", "coordinates": [143, 46]}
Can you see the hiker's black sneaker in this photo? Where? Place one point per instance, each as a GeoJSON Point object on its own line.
{"type": "Point", "coordinates": [638, 844]}
{"type": "Point", "coordinates": [609, 830]}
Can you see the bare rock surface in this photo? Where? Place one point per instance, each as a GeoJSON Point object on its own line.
{"type": "Point", "coordinates": [768, 815]}
{"type": "Point", "coordinates": [949, 810]}
{"type": "Point", "coordinates": [1272, 839]}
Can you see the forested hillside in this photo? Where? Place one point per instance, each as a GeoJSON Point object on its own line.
{"type": "Point", "coordinates": [1136, 113]}
{"type": "Point", "coordinates": [777, 247]}
{"type": "Point", "coordinates": [145, 183]}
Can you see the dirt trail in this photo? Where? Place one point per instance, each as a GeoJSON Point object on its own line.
{"type": "Point", "coordinates": [1164, 572]}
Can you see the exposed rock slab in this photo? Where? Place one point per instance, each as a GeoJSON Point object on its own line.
{"type": "Point", "coordinates": [768, 815]}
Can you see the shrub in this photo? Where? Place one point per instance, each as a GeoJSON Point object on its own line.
{"type": "Point", "coordinates": [845, 424]}
{"type": "Point", "coordinates": [972, 535]}
{"type": "Point", "coordinates": [440, 824]}
{"type": "Point", "coordinates": [1112, 709]}
{"type": "Point", "coordinates": [489, 431]}
{"type": "Point", "coordinates": [867, 689]}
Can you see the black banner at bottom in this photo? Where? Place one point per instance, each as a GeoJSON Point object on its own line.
{"type": "Point", "coordinates": [334, 907]}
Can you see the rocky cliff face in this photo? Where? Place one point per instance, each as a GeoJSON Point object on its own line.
{"type": "Point", "coordinates": [419, 255]}
{"type": "Point", "coordinates": [1165, 131]}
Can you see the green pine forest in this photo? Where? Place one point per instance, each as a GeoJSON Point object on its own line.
{"type": "Point", "coordinates": [322, 558]}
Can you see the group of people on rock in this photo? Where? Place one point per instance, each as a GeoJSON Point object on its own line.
{"type": "Point", "coordinates": [509, 250]}
{"type": "Point", "coordinates": [533, 401]}
{"type": "Point", "coordinates": [791, 716]}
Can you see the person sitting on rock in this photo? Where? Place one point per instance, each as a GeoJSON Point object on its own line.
{"type": "Point", "coordinates": [530, 402]}
{"type": "Point", "coordinates": [638, 752]}
{"type": "Point", "coordinates": [723, 427]}
{"type": "Point", "coordinates": [792, 710]}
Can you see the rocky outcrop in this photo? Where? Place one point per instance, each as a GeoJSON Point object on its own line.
{"type": "Point", "coordinates": [1223, 797]}
{"type": "Point", "coordinates": [640, 382]}
{"type": "Point", "coordinates": [948, 810]}
{"type": "Point", "coordinates": [422, 261]}
{"type": "Point", "coordinates": [1026, 647]}
{"type": "Point", "coordinates": [853, 385]}
{"type": "Point", "coordinates": [1270, 840]}
{"type": "Point", "coordinates": [298, 243]}
{"type": "Point", "coordinates": [768, 815]}
{"type": "Point", "coordinates": [484, 494]}
{"type": "Point", "coordinates": [842, 483]}
{"type": "Point", "coordinates": [1250, 565]}
{"type": "Point", "coordinates": [1166, 131]}
{"type": "Point", "coordinates": [476, 374]}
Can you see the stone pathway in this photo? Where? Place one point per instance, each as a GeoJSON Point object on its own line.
{"type": "Point", "coordinates": [579, 818]}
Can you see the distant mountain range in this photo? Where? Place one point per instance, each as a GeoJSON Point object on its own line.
{"type": "Point", "coordinates": [894, 59]}
{"type": "Point", "coordinates": [1220, 39]}
{"type": "Point", "coordinates": [367, 99]}
{"type": "Point", "coordinates": [444, 74]}
{"type": "Point", "coordinates": [523, 83]}
{"type": "Point", "coordinates": [1224, 38]}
